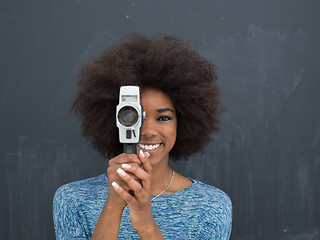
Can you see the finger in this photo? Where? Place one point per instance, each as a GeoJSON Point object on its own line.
{"type": "Point", "coordinates": [113, 176]}
{"type": "Point", "coordinates": [137, 171]}
{"type": "Point", "coordinates": [132, 183]}
{"type": "Point", "coordinates": [127, 197]}
{"type": "Point", "coordinates": [144, 159]}
{"type": "Point", "coordinates": [148, 168]}
{"type": "Point", "coordinates": [125, 158]}
{"type": "Point", "coordinates": [123, 184]}
{"type": "Point", "coordinates": [116, 162]}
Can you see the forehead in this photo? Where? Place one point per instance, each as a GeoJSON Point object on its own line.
{"type": "Point", "coordinates": [154, 98]}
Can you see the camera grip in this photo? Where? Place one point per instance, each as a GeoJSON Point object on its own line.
{"type": "Point", "coordinates": [130, 148]}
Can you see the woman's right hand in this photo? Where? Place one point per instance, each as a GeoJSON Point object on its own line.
{"type": "Point", "coordinates": [108, 223]}
{"type": "Point", "coordinates": [113, 198]}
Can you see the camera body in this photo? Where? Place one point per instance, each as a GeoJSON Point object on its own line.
{"type": "Point", "coordinates": [129, 115]}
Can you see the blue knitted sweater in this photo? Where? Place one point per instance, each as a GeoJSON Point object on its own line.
{"type": "Point", "coordinates": [198, 212]}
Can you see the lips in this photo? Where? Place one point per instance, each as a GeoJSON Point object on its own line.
{"type": "Point", "coordinates": [149, 147]}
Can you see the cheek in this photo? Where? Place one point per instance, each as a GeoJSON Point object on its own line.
{"type": "Point", "coordinates": [173, 134]}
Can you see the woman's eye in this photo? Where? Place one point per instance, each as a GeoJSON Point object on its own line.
{"type": "Point", "coordinates": [164, 118]}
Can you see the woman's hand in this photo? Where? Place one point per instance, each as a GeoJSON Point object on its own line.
{"type": "Point", "coordinates": [115, 163]}
{"type": "Point", "coordinates": [108, 223]}
{"type": "Point", "coordinates": [139, 203]}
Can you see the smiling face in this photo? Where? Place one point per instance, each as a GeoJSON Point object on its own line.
{"type": "Point", "coordinates": [159, 130]}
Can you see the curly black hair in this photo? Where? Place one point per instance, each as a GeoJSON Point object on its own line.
{"type": "Point", "coordinates": [163, 62]}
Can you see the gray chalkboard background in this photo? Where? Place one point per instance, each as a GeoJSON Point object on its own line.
{"type": "Point", "coordinates": [267, 154]}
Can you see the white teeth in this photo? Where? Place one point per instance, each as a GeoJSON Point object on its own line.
{"type": "Point", "coordinates": [149, 147]}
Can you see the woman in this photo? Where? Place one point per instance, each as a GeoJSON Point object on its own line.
{"type": "Point", "coordinates": [141, 197]}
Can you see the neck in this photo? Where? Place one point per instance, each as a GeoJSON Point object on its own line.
{"type": "Point", "coordinates": [161, 176]}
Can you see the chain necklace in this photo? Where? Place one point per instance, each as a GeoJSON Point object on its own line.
{"type": "Point", "coordinates": [165, 188]}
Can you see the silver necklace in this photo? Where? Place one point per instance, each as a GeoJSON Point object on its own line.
{"type": "Point", "coordinates": [165, 188]}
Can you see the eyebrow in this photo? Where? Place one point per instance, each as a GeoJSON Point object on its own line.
{"type": "Point", "coordinates": [161, 110]}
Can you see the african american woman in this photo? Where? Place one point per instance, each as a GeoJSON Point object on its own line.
{"type": "Point", "coordinates": [141, 196]}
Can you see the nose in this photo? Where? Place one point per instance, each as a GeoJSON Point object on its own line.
{"type": "Point", "coordinates": [149, 129]}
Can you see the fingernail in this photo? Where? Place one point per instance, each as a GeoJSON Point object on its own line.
{"type": "Point", "coordinates": [121, 172]}
{"type": "Point", "coordinates": [148, 154]}
{"type": "Point", "coordinates": [115, 185]}
{"type": "Point", "coordinates": [127, 166]}
{"type": "Point", "coordinates": [141, 153]}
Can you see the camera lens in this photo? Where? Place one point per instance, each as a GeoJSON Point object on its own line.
{"type": "Point", "coordinates": [128, 116]}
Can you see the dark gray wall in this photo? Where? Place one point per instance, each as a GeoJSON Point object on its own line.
{"type": "Point", "coordinates": [267, 154]}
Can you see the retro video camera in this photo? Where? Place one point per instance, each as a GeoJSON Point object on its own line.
{"type": "Point", "coordinates": [129, 117]}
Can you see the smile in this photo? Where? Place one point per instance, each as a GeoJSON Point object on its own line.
{"type": "Point", "coordinates": [149, 147]}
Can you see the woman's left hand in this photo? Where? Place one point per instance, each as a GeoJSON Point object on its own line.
{"type": "Point", "coordinates": [139, 203]}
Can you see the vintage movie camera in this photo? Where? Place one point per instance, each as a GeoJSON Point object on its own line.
{"type": "Point", "coordinates": [129, 117]}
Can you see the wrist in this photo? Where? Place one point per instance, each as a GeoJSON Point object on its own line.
{"type": "Point", "coordinates": [150, 231]}
{"type": "Point", "coordinates": [108, 223]}
{"type": "Point", "coordinates": [114, 206]}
